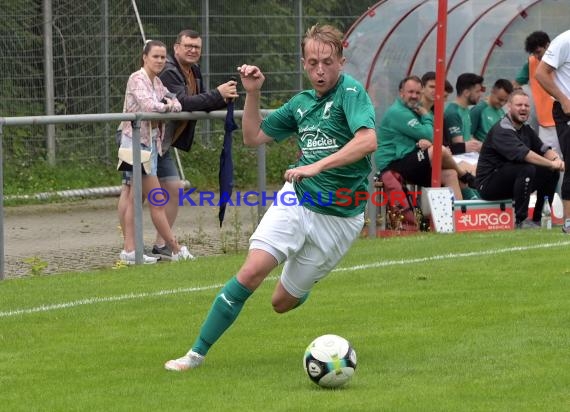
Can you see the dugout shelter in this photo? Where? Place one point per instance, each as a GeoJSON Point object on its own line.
{"type": "Point", "coordinates": [397, 38]}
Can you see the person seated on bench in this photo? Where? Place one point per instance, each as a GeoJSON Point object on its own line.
{"type": "Point", "coordinates": [514, 162]}
{"type": "Point", "coordinates": [428, 90]}
{"type": "Point", "coordinates": [489, 110]}
{"type": "Point", "coordinates": [405, 137]}
{"type": "Point", "coordinates": [456, 120]}
{"type": "Point", "coordinates": [457, 133]}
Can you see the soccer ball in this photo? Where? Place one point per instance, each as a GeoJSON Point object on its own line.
{"type": "Point", "coordinates": [330, 361]}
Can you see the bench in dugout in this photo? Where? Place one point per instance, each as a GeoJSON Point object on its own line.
{"type": "Point", "coordinates": [398, 205]}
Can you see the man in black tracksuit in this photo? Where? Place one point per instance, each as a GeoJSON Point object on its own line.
{"type": "Point", "coordinates": [514, 162]}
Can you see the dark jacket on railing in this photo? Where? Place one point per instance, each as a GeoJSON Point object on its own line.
{"type": "Point", "coordinates": [175, 81]}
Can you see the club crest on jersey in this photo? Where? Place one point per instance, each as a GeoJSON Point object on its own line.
{"type": "Point", "coordinates": [327, 110]}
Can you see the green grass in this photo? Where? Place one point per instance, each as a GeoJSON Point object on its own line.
{"type": "Point", "coordinates": [463, 322]}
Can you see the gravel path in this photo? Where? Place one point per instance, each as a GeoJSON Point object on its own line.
{"type": "Point", "coordinates": [84, 235]}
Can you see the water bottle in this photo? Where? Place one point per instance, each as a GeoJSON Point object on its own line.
{"type": "Point", "coordinates": [546, 221]}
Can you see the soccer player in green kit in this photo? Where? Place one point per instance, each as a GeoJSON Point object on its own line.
{"type": "Point", "coordinates": [489, 111]}
{"type": "Point", "coordinates": [334, 124]}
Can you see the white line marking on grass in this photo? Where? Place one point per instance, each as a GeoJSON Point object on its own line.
{"type": "Point", "coordinates": [130, 296]}
{"type": "Point", "coordinates": [451, 256]}
{"type": "Point", "coordinates": [90, 301]}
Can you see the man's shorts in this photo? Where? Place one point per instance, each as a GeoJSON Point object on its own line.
{"type": "Point", "coordinates": [310, 243]}
{"type": "Point", "coordinates": [166, 167]}
{"type": "Point", "coordinates": [415, 167]}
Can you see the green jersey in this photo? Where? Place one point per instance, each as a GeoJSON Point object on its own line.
{"type": "Point", "coordinates": [399, 131]}
{"type": "Point", "coordinates": [323, 126]}
{"type": "Point", "coordinates": [456, 122]}
{"type": "Point", "coordinates": [483, 117]}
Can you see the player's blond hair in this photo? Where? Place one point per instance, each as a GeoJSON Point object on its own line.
{"type": "Point", "coordinates": [326, 34]}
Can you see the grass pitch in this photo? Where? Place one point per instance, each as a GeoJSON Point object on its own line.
{"type": "Point", "coordinates": [462, 322]}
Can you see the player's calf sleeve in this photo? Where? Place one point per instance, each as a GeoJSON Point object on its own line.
{"type": "Point", "coordinates": [224, 311]}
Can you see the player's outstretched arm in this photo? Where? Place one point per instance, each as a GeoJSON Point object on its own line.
{"type": "Point", "coordinates": [252, 79]}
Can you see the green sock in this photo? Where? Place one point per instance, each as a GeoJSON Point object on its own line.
{"type": "Point", "coordinates": [470, 194]}
{"type": "Point", "coordinates": [302, 300]}
{"type": "Point", "coordinates": [223, 313]}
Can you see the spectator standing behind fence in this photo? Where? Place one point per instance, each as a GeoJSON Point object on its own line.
{"type": "Point", "coordinates": [514, 162]}
{"type": "Point", "coordinates": [553, 74]}
{"type": "Point", "coordinates": [489, 111]}
{"type": "Point", "coordinates": [405, 142]}
{"type": "Point", "coordinates": [146, 93]}
{"type": "Point", "coordinates": [183, 77]}
{"type": "Point", "coordinates": [334, 122]}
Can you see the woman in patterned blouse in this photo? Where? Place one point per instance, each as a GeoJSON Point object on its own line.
{"type": "Point", "coordinates": [146, 93]}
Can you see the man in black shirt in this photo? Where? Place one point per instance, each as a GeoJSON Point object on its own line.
{"type": "Point", "coordinates": [514, 162]}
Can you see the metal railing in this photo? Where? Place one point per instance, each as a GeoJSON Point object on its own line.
{"type": "Point", "coordinates": [135, 119]}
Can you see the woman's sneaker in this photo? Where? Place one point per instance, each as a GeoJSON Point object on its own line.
{"type": "Point", "coordinates": [129, 258]}
{"type": "Point", "coordinates": [161, 250]}
{"type": "Point", "coordinates": [183, 254]}
{"type": "Point", "coordinates": [189, 361]}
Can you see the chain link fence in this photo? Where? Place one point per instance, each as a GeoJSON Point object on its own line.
{"type": "Point", "coordinates": [96, 44]}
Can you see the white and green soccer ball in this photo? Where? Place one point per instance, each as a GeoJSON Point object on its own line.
{"type": "Point", "coordinates": [330, 361]}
